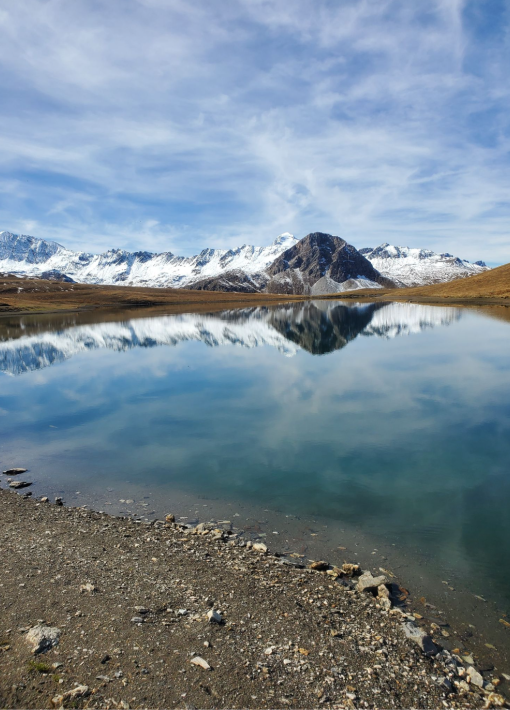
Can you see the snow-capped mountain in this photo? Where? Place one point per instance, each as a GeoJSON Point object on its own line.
{"type": "Point", "coordinates": [419, 267]}
{"type": "Point", "coordinates": [318, 327]}
{"type": "Point", "coordinates": [21, 254]}
{"type": "Point", "coordinates": [317, 264]}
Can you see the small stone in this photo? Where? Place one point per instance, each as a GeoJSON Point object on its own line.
{"type": "Point", "coordinates": [320, 566]}
{"type": "Point", "coordinates": [44, 499]}
{"type": "Point", "coordinates": [350, 570]}
{"type": "Point", "coordinates": [57, 701]}
{"type": "Point", "coordinates": [15, 471]}
{"type": "Point", "coordinates": [494, 700]}
{"type": "Point", "coordinates": [214, 616]}
{"type": "Point", "coordinates": [198, 661]}
{"type": "Point", "coordinates": [468, 659]}
{"type": "Point", "coordinates": [506, 677]}
{"type": "Point", "coordinates": [369, 583]}
{"type": "Point", "coordinates": [19, 484]}
{"type": "Point", "coordinates": [170, 518]}
{"type": "Point", "coordinates": [421, 638]}
{"type": "Point", "coordinates": [474, 677]}
{"type": "Point", "coordinates": [42, 638]}
{"type": "Point", "coordinates": [268, 651]}
{"type": "Point", "coordinates": [88, 587]}
{"type": "Point", "coordinates": [59, 501]}
{"type": "Point", "coordinates": [259, 547]}
{"type": "Point", "coordinates": [81, 691]}
{"type": "Point", "coordinates": [141, 610]}
{"type": "Point", "coordinates": [182, 612]}
{"type": "Point", "coordinates": [137, 620]}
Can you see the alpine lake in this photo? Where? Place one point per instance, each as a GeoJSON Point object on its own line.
{"type": "Point", "coordinates": [376, 433]}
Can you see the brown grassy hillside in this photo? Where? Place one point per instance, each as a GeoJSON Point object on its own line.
{"type": "Point", "coordinates": [493, 286]}
{"type": "Point", "coordinates": [33, 295]}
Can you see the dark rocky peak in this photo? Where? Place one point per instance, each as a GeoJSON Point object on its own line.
{"type": "Point", "coordinates": [319, 254]}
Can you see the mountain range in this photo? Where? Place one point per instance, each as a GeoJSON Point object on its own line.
{"type": "Point", "coordinates": [317, 264]}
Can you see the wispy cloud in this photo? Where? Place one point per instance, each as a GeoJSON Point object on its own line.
{"type": "Point", "coordinates": [165, 124]}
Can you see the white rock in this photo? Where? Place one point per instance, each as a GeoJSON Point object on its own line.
{"type": "Point", "coordinates": [214, 616]}
{"type": "Point", "coordinates": [88, 587]}
{"type": "Point", "coordinates": [79, 692]}
{"type": "Point", "coordinates": [474, 677]}
{"type": "Point", "coordinates": [367, 582]}
{"type": "Point", "coordinates": [198, 661]}
{"type": "Point", "coordinates": [259, 547]}
{"type": "Point", "coordinates": [42, 638]}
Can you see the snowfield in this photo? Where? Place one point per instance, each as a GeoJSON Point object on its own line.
{"type": "Point", "coordinates": [419, 267]}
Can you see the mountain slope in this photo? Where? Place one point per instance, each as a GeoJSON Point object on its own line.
{"type": "Point", "coordinates": [492, 284]}
{"type": "Point", "coordinates": [21, 254]}
{"type": "Point", "coordinates": [419, 267]}
{"type": "Point", "coordinates": [320, 255]}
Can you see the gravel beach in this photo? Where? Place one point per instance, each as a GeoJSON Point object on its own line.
{"type": "Point", "coordinates": [101, 611]}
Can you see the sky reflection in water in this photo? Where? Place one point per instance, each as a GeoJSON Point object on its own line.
{"type": "Point", "coordinates": [324, 409]}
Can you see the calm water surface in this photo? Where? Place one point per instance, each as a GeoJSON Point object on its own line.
{"type": "Point", "coordinates": [387, 423]}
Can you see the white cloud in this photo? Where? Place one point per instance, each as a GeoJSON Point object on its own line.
{"type": "Point", "coordinates": [228, 122]}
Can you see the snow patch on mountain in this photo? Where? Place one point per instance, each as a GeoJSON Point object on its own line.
{"type": "Point", "coordinates": [419, 267]}
{"type": "Point", "coordinates": [25, 255]}
{"type": "Point", "coordinates": [327, 285]}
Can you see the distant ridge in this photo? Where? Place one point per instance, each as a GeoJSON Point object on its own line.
{"type": "Point", "coordinates": [419, 267]}
{"type": "Point", "coordinates": [318, 264]}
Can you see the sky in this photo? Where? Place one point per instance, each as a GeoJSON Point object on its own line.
{"type": "Point", "coordinates": [184, 124]}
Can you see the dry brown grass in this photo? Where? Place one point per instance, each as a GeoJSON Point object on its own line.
{"type": "Point", "coordinates": [37, 295]}
{"type": "Point", "coordinates": [490, 287]}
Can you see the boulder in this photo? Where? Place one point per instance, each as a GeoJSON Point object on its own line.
{"type": "Point", "coordinates": [43, 638]}
{"type": "Point", "coordinates": [368, 583]}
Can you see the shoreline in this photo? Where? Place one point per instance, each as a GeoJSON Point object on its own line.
{"type": "Point", "coordinates": [21, 296]}
{"type": "Point", "coordinates": [280, 622]}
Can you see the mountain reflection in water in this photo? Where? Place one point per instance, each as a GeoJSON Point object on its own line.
{"type": "Point", "coordinates": [318, 327]}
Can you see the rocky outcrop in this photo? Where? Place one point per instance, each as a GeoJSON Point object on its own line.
{"type": "Point", "coordinates": [318, 255]}
{"type": "Point", "coordinates": [237, 280]}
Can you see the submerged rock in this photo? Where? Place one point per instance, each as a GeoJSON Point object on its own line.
{"type": "Point", "coordinates": [19, 484]}
{"type": "Point", "coordinates": [15, 471]}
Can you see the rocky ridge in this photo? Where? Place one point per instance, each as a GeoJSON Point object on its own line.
{"type": "Point", "coordinates": [420, 267]}
{"type": "Point", "coordinates": [177, 615]}
{"type": "Point", "coordinates": [318, 264]}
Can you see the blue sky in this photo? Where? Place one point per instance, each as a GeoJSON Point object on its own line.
{"type": "Point", "coordinates": [180, 124]}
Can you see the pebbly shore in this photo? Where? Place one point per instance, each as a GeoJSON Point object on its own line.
{"type": "Point", "coordinates": [107, 612]}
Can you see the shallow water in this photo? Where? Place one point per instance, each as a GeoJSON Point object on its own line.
{"type": "Point", "coordinates": [380, 426]}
